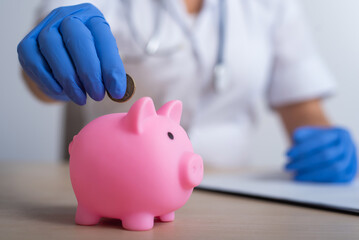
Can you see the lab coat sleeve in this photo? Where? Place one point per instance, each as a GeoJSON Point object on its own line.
{"type": "Point", "coordinates": [298, 73]}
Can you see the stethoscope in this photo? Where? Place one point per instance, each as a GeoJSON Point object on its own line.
{"type": "Point", "coordinates": [151, 47]}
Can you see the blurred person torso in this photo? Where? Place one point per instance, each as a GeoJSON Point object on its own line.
{"type": "Point", "coordinates": [266, 51]}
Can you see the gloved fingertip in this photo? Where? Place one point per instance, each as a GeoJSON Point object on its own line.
{"type": "Point", "coordinates": [99, 97]}
{"type": "Point", "coordinates": [61, 97]}
{"type": "Point", "coordinates": [77, 95]}
{"type": "Point", "coordinates": [118, 85]}
{"type": "Point", "coordinates": [81, 101]}
{"type": "Point", "coordinates": [98, 91]}
{"type": "Point", "coordinates": [121, 89]}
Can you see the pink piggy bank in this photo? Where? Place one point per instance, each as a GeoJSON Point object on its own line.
{"type": "Point", "coordinates": [134, 166]}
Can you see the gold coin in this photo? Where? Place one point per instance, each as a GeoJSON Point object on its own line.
{"type": "Point", "coordinates": [130, 90]}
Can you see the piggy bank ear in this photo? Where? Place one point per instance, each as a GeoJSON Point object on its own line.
{"type": "Point", "coordinates": [140, 110]}
{"type": "Point", "coordinates": [172, 110]}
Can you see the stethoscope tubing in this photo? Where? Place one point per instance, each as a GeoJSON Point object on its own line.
{"type": "Point", "coordinates": [151, 47]}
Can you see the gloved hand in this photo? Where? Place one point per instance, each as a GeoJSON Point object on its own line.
{"type": "Point", "coordinates": [322, 155]}
{"type": "Point", "coordinates": [73, 52]}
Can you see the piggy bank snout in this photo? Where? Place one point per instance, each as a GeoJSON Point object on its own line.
{"type": "Point", "coordinates": [192, 170]}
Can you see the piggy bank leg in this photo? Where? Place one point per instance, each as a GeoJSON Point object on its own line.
{"type": "Point", "coordinates": [138, 222]}
{"type": "Point", "coordinates": [85, 217]}
{"type": "Point", "coordinates": [169, 217]}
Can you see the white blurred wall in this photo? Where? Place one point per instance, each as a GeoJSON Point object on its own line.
{"type": "Point", "coordinates": [30, 130]}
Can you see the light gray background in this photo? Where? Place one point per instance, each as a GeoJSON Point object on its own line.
{"type": "Point", "coordinates": [32, 131]}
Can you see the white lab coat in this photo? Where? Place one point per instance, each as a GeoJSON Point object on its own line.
{"type": "Point", "coordinates": [268, 55]}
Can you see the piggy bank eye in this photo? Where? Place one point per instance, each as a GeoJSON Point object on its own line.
{"type": "Point", "coordinates": [170, 135]}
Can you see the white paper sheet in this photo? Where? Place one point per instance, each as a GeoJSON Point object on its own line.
{"type": "Point", "coordinates": [279, 186]}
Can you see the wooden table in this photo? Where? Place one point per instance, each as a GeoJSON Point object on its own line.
{"type": "Point", "coordinates": [37, 202]}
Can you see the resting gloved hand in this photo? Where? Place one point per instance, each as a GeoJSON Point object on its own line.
{"type": "Point", "coordinates": [73, 52]}
{"type": "Point", "coordinates": [322, 155]}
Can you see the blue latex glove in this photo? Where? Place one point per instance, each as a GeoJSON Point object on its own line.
{"type": "Point", "coordinates": [73, 52]}
{"type": "Point", "coordinates": [322, 155]}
